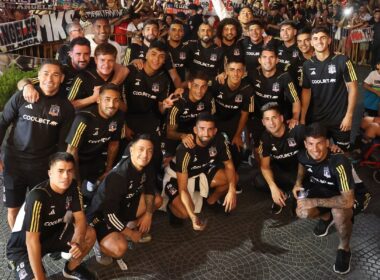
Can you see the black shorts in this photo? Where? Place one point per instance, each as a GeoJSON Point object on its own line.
{"type": "Point", "coordinates": [341, 138]}
{"type": "Point", "coordinates": [101, 227]}
{"type": "Point", "coordinates": [257, 131]}
{"type": "Point", "coordinates": [21, 175]}
{"type": "Point", "coordinates": [171, 187]}
{"type": "Point", "coordinates": [56, 242]}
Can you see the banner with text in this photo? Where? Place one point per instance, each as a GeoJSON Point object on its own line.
{"type": "Point", "coordinates": [26, 5]}
{"type": "Point", "coordinates": [18, 34]}
{"type": "Point", "coordinates": [361, 35]}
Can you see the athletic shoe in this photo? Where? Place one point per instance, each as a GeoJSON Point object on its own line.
{"type": "Point", "coordinates": [79, 273]}
{"type": "Point", "coordinates": [239, 189]}
{"type": "Point", "coordinates": [65, 256]}
{"type": "Point", "coordinates": [342, 262]}
{"type": "Point", "coordinates": [276, 209]}
{"type": "Point", "coordinates": [100, 257]}
{"type": "Point", "coordinates": [322, 227]}
{"type": "Point", "coordinates": [55, 256]}
{"type": "Point", "coordinates": [11, 265]}
{"type": "Point", "coordinates": [145, 238]}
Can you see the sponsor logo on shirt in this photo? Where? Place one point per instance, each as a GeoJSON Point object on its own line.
{"type": "Point", "coordinates": [39, 120]}
{"type": "Point", "coordinates": [137, 83]}
{"type": "Point", "coordinates": [145, 94]}
{"type": "Point", "coordinates": [54, 110]}
{"type": "Point", "coordinates": [331, 69]}
{"type": "Point", "coordinates": [155, 87]}
{"type": "Point", "coordinates": [323, 81]}
{"type": "Point", "coordinates": [212, 151]}
{"type": "Point", "coordinates": [29, 106]}
{"type": "Point", "coordinates": [53, 223]}
{"type": "Point", "coordinates": [112, 126]}
{"type": "Point", "coordinates": [238, 98]}
{"type": "Point", "coordinates": [276, 87]}
{"type": "Point", "coordinates": [292, 142]}
{"type": "Point", "coordinates": [96, 131]}
{"type": "Point", "coordinates": [52, 212]}
{"type": "Point", "coordinates": [101, 140]}
{"type": "Point", "coordinates": [326, 172]}
{"type": "Point", "coordinates": [200, 106]}
{"type": "Point", "coordinates": [182, 55]}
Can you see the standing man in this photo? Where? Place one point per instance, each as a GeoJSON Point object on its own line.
{"type": "Point", "coordinates": [253, 45]}
{"type": "Point", "coordinates": [233, 103]}
{"type": "Point", "coordinates": [38, 130]}
{"type": "Point", "coordinates": [45, 225]}
{"type": "Point", "coordinates": [74, 30]}
{"type": "Point", "coordinates": [102, 31]}
{"type": "Point", "coordinates": [126, 194]}
{"type": "Point", "coordinates": [205, 56]}
{"type": "Point", "coordinates": [245, 17]}
{"type": "Point", "coordinates": [329, 89]}
{"type": "Point", "coordinates": [94, 137]}
{"type": "Point", "coordinates": [287, 47]}
{"type": "Point", "coordinates": [195, 170]}
{"type": "Point", "coordinates": [327, 191]}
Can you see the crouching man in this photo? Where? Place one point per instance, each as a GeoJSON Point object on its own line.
{"type": "Point", "coordinates": [43, 225]}
{"type": "Point", "coordinates": [194, 170]}
{"type": "Point", "coordinates": [127, 194]}
{"type": "Point", "coordinates": [327, 192]}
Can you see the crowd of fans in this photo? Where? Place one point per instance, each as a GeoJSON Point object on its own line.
{"type": "Point", "coordinates": [164, 122]}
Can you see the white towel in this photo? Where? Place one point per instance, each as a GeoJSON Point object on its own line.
{"type": "Point", "coordinates": [196, 197]}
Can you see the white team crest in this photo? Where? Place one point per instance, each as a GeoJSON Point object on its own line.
{"type": "Point", "coordinates": [276, 87]}
{"type": "Point", "coordinates": [292, 142]}
{"type": "Point", "coordinates": [213, 57]}
{"type": "Point", "coordinates": [295, 53]}
{"type": "Point", "coordinates": [182, 55]}
{"type": "Point", "coordinates": [326, 172]}
{"type": "Point", "coordinates": [239, 98]}
{"type": "Point", "coordinates": [236, 52]}
{"type": "Point", "coordinates": [331, 69]}
{"type": "Point", "coordinates": [112, 126]}
{"type": "Point", "coordinates": [54, 110]}
{"type": "Point", "coordinates": [155, 87]}
{"type": "Point", "coordinates": [212, 151]}
{"type": "Point", "coordinates": [200, 106]}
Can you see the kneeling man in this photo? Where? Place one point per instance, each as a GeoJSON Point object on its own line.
{"type": "Point", "coordinates": [194, 170]}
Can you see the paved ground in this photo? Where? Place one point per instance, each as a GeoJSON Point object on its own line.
{"type": "Point", "coordinates": [248, 244]}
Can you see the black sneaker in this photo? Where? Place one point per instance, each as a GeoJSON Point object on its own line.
{"type": "Point", "coordinates": [322, 227]}
{"type": "Point", "coordinates": [276, 209]}
{"type": "Point", "coordinates": [79, 273]}
{"type": "Point", "coordinates": [342, 262]}
{"type": "Point", "coordinates": [239, 189]}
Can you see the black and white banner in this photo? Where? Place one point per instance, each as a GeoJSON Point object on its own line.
{"type": "Point", "coordinates": [26, 4]}
{"type": "Point", "coordinates": [105, 14]}
{"type": "Point", "coordinates": [18, 34]}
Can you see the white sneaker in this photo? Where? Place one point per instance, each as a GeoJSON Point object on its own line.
{"type": "Point", "coordinates": [66, 255]}
{"type": "Point", "coordinates": [100, 257]}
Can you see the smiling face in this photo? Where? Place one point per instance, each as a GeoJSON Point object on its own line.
{"type": "Point", "coordinates": [268, 60]}
{"type": "Point", "coordinates": [273, 122]}
{"type": "Point", "coordinates": [102, 30]}
{"type": "Point", "coordinates": [155, 58]}
{"type": "Point", "coordinates": [105, 64]}
{"type": "Point", "coordinates": [235, 72]}
{"type": "Point", "coordinates": [141, 153]}
{"type": "Point", "coordinates": [108, 103]}
{"type": "Point", "coordinates": [197, 89]}
{"type": "Point", "coordinates": [80, 56]}
{"type": "Point", "coordinates": [255, 33]}
{"type": "Point", "coordinates": [229, 32]}
{"type": "Point", "coordinates": [176, 32]}
{"type": "Point", "coordinates": [50, 77]}
{"type": "Point", "coordinates": [288, 33]}
{"type": "Point", "coordinates": [320, 41]}
{"type": "Point", "coordinates": [205, 132]}
{"type": "Point", "coordinates": [317, 148]}
{"type": "Point", "coordinates": [150, 32]}
{"type": "Point", "coordinates": [304, 43]}
{"type": "Point", "coordinates": [205, 33]}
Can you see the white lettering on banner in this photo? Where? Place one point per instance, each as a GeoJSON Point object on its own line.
{"type": "Point", "coordinates": [361, 35]}
{"type": "Point", "coordinates": [18, 34]}
{"type": "Point", "coordinates": [52, 26]}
